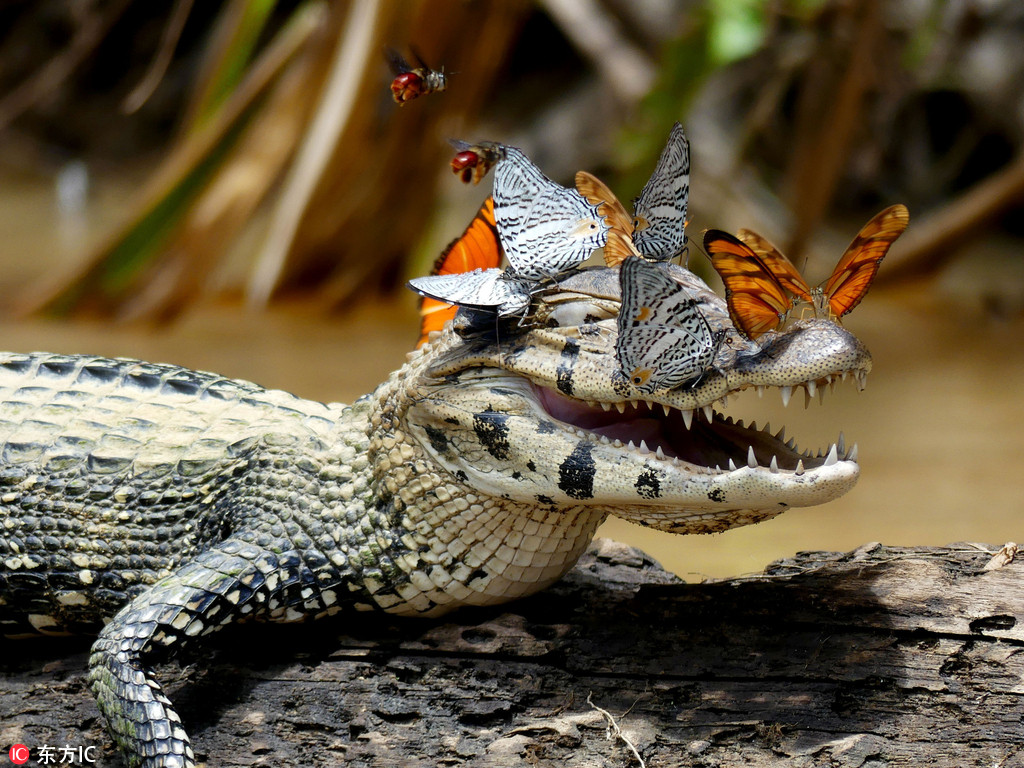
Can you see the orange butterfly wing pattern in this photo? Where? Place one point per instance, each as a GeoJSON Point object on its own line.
{"type": "Point", "coordinates": [781, 267]}
{"type": "Point", "coordinates": [757, 300]}
{"type": "Point", "coordinates": [596, 192]}
{"type": "Point", "coordinates": [476, 248]}
{"type": "Point", "coordinates": [858, 265]}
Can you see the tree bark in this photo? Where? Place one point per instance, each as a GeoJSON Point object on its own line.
{"type": "Point", "coordinates": [883, 656]}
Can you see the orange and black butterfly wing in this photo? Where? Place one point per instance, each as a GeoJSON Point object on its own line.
{"type": "Point", "coordinates": [757, 301]}
{"type": "Point", "coordinates": [476, 248]}
{"type": "Point", "coordinates": [616, 249]}
{"type": "Point", "coordinates": [780, 266]}
{"type": "Point", "coordinates": [857, 267]}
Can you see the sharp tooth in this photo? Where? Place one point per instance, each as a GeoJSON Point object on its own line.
{"type": "Point", "coordinates": [751, 458]}
{"type": "Point", "coordinates": [812, 388]}
{"type": "Point", "coordinates": [659, 453]}
{"type": "Point", "coordinates": [620, 407]}
{"type": "Point", "coordinates": [781, 435]}
{"type": "Point", "coordinates": [606, 406]}
{"type": "Point", "coordinates": [631, 446]}
{"type": "Point", "coordinates": [760, 390]}
{"type": "Point", "coordinates": [644, 448]}
{"type": "Point", "coordinates": [791, 443]}
{"type": "Point", "coordinates": [634, 403]}
{"type": "Point", "coordinates": [821, 396]}
{"type": "Point", "coordinates": [767, 428]}
{"type": "Point", "coordinates": [753, 425]}
{"type": "Point", "coordinates": [862, 379]}
{"type": "Point", "coordinates": [617, 443]}
{"type": "Point", "coordinates": [708, 413]}
{"type": "Point", "coordinates": [666, 409]}
{"type": "Point", "coordinates": [687, 418]}
{"type": "Point", "coordinates": [718, 467]}
{"type": "Point", "coordinates": [605, 440]}
{"type": "Point", "coordinates": [799, 468]}
{"type": "Point", "coordinates": [786, 392]}
{"type": "Point", "coordinates": [844, 374]}
{"type": "Point", "coordinates": [832, 457]}
{"type": "Point", "coordinates": [852, 455]}
{"type": "Point", "coordinates": [732, 464]}
{"type": "Point", "coordinates": [807, 398]}
{"type": "Point", "coordinates": [774, 465]}
{"type": "Point", "coordinates": [841, 444]}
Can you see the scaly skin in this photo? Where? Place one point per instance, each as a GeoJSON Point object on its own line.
{"type": "Point", "coordinates": [176, 502]}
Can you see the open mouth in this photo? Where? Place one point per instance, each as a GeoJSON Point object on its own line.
{"type": "Point", "coordinates": [702, 437]}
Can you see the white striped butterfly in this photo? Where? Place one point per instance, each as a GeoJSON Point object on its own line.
{"type": "Point", "coordinates": [544, 228]}
{"type": "Point", "coordinates": [657, 229]}
{"type": "Point", "coordinates": [664, 341]}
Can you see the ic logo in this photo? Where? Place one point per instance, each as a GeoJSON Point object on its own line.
{"type": "Point", "coordinates": [19, 754]}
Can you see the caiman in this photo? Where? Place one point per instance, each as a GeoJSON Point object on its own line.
{"type": "Point", "coordinates": [161, 503]}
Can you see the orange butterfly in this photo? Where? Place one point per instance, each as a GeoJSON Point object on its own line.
{"type": "Point", "coordinates": [759, 280]}
{"type": "Point", "coordinates": [476, 248]}
{"type": "Point", "coordinates": [618, 248]}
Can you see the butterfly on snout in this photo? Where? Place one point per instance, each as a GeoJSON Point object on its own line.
{"type": "Point", "coordinates": [543, 229]}
{"type": "Point", "coordinates": [664, 341]}
{"type": "Point", "coordinates": [761, 283]}
{"type": "Point", "coordinates": [657, 228]}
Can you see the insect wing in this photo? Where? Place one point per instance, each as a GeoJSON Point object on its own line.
{"type": "Point", "coordinates": [858, 265]}
{"type": "Point", "coordinates": [618, 247]}
{"type": "Point", "coordinates": [659, 213]}
{"type": "Point", "coordinates": [757, 301]}
{"type": "Point", "coordinates": [663, 340]}
{"type": "Point", "coordinates": [476, 248]}
{"type": "Point", "coordinates": [482, 288]}
{"type": "Point", "coordinates": [544, 228]}
{"type": "Point", "coordinates": [779, 265]}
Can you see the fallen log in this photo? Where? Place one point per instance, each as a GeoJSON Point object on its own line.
{"type": "Point", "coordinates": [884, 656]}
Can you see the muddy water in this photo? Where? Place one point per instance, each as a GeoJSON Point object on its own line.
{"type": "Point", "coordinates": [939, 425]}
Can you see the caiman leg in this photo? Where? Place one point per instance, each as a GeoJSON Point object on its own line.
{"type": "Point", "coordinates": [230, 580]}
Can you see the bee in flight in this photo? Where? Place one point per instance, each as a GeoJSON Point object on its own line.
{"type": "Point", "coordinates": [473, 161]}
{"type": "Point", "coordinates": [412, 82]}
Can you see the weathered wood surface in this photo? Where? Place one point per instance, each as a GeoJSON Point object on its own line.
{"type": "Point", "coordinates": [879, 657]}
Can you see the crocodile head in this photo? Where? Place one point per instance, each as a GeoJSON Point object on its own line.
{"type": "Point", "coordinates": [536, 411]}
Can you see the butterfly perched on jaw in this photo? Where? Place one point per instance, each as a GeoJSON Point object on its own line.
{"type": "Point", "coordinates": [664, 341]}
{"type": "Point", "coordinates": [760, 282]}
{"type": "Point", "coordinates": [543, 229]}
{"type": "Point", "coordinates": [477, 248]}
{"type": "Point", "coordinates": [657, 228]}
{"type": "Point", "coordinates": [412, 82]}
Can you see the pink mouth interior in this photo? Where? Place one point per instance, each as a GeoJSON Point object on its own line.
{"type": "Point", "coordinates": [705, 443]}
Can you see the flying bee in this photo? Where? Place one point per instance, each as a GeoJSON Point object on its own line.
{"type": "Point", "coordinates": [473, 161]}
{"type": "Point", "coordinates": [412, 82]}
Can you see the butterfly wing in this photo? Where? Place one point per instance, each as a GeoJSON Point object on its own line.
{"type": "Point", "coordinates": [757, 301]}
{"type": "Point", "coordinates": [476, 248]}
{"type": "Point", "coordinates": [663, 340]}
{"type": "Point", "coordinates": [781, 267]}
{"type": "Point", "coordinates": [857, 267]}
{"type": "Point", "coordinates": [544, 228]}
{"type": "Point", "coordinates": [608, 205]}
{"type": "Point", "coordinates": [482, 288]}
{"type": "Point", "coordinates": [659, 213]}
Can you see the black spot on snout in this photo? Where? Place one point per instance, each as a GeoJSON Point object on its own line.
{"type": "Point", "coordinates": [648, 486]}
{"type": "Point", "coordinates": [566, 363]}
{"type": "Point", "coordinates": [492, 432]}
{"type": "Point", "coordinates": [716, 495]}
{"type": "Point", "coordinates": [576, 473]}
{"type": "Point", "coordinates": [438, 439]}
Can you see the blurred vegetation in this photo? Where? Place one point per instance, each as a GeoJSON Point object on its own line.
{"type": "Point", "coordinates": [271, 141]}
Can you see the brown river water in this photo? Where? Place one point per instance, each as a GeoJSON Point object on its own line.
{"type": "Point", "coordinates": [940, 426]}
